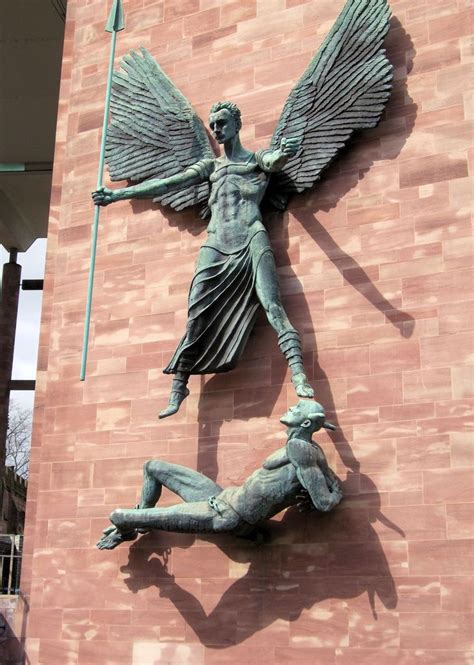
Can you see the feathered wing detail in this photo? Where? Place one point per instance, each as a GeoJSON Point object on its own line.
{"type": "Point", "coordinates": [345, 88]}
{"type": "Point", "coordinates": [154, 131]}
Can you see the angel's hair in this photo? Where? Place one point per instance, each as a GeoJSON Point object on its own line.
{"type": "Point", "coordinates": [232, 108]}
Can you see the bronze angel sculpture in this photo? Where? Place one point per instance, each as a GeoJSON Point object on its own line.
{"type": "Point", "coordinates": [157, 139]}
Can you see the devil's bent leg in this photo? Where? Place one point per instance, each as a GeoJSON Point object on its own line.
{"type": "Point", "coordinates": [188, 484]}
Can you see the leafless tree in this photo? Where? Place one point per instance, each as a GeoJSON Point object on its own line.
{"type": "Point", "coordinates": [18, 439]}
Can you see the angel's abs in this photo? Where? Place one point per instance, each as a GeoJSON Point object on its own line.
{"type": "Point", "coordinates": [236, 192]}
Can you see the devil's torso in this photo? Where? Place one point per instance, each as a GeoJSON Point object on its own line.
{"type": "Point", "coordinates": [270, 489]}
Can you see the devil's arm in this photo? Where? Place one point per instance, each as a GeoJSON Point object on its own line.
{"type": "Point", "coordinates": [314, 474]}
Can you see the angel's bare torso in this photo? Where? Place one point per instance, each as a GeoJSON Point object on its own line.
{"type": "Point", "coordinates": [237, 189]}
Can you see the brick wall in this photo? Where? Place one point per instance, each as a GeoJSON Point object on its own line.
{"type": "Point", "coordinates": [376, 271]}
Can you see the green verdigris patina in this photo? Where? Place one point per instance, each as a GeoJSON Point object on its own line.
{"type": "Point", "coordinates": [296, 474]}
{"type": "Point", "coordinates": [156, 138]}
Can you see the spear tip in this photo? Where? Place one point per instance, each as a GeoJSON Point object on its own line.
{"type": "Point", "coordinates": [116, 20]}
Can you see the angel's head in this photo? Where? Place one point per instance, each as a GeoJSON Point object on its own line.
{"type": "Point", "coordinates": [224, 121]}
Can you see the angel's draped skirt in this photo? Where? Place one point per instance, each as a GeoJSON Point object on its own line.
{"type": "Point", "coordinates": [222, 308]}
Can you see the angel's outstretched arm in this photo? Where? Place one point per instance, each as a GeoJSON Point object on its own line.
{"type": "Point", "coordinates": [193, 175]}
{"type": "Point", "coordinates": [275, 160]}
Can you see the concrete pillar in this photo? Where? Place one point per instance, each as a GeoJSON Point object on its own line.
{"type": "Point", "coordinates": [8, 315]}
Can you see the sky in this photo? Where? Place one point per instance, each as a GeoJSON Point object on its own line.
{"type": "Point", "coordinates": [28, 322]}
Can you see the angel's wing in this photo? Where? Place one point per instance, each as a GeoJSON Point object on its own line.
{"type": "Point", "coordinates": [154, 131]}
{"type": "Point", "coordinates": [344, 89]}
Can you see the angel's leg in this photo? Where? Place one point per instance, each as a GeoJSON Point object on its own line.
{"type": "Point", "coordinates": [268, 292]}
{"type": "Point", "coordinates": [196, 324]}
{"type": "Point", "coordinates": [179, 392]}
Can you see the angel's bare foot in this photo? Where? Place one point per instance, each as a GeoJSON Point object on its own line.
{"type": "Point", "coordinates": [301, 384]}
{"type": "Point", "coordinates": [113, 537]}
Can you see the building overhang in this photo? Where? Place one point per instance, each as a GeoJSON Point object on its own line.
{"type": "Point", "coordinates": [31, 38]}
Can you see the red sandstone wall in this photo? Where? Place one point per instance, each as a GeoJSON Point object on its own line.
{"type": "Point", "coordinates": [375, 267]}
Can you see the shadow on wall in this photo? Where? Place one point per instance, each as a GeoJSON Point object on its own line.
{"type": "Point", "coordinates": [11, 644]}
{"type": "Point", "coordinates": [255, 400]}
{"type": "Point", "coordinates": [307, 559]}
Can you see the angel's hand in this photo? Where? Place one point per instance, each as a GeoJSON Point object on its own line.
{"type": "Point", "coordinates": [289, 146]}
{"type": "Point", "coordinates": [303, 501]}
{"type": "Point", "coordinates": [103, 196]}
{"type": "Point", "coordinates": [275, 160]}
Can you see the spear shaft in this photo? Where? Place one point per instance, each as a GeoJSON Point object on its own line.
{"type": "Point", "coordinates": [115, 23]}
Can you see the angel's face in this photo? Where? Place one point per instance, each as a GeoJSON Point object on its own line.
{"type": "Point", "coordinates": [222, 125]}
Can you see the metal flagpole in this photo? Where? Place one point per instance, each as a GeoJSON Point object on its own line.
{"type": "Point", "coordinates": [115, 23]}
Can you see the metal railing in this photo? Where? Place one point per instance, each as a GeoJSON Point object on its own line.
{"type": "Point", "coordinates": [11, 549]}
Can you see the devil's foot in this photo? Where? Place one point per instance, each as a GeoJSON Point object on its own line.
{"type": "Point", "coordinates": [175, 401]}
{"type": "Point", "coordinates": [112, 537]}
{"type": "Point", "coordinates": [301, 384]}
